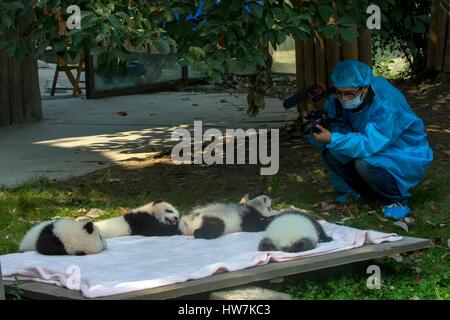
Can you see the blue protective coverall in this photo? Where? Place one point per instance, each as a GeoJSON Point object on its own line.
{"type": "Point", "coordinates": [386, 133]}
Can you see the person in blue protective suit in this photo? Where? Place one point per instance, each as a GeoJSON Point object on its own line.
{"type": "Point", "coordinates": [379, 148]}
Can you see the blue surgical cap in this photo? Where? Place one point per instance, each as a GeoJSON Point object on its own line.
{"type": "Point", "coordinates": [351, 74]}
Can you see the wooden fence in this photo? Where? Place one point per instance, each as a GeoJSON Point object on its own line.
{"type": "Point", "coordinates": [316, 58]}
{"type": "Point", "coordinates": [438, 58]}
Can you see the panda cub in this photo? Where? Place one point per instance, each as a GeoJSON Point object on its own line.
{"type": "Point", "coordinates": [63, 237]}
{"type": "Point", "coordinates": [214, 220]}
{"type": "Point", "coordinates": [293, 231]}
{"type": "Point", "coordinates": [157, 218]}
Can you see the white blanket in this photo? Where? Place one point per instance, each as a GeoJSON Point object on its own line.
{"type": "Point", "coordinates": [135, 263]}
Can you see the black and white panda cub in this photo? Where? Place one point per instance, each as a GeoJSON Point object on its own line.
{"type": "Point", "coordinates": [63, 237]}
{"type": "Point", "coordinates": [293, 231]}
{"type": "Point", "coordinates": [214, 220]}
{"type": "Point", "coordinates": [157, 218]}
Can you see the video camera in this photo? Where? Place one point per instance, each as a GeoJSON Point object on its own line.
{"type": "Point", "coordinates": [313, 118]}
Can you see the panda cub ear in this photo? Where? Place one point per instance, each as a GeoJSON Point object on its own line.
{"type": "Point", "coordinates": [266, 245]}
{"type": "Point", "coordinates": [158, 201]}
{"type": "Point", "coordinates": [89, 227]}
{"type": "Point", "coordinates": [244, 199]}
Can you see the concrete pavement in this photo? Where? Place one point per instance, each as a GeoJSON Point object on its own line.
{"type": "Point", "coordinates": [79, 136]}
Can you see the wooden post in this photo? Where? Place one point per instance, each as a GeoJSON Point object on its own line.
{"type": "Point", "coordinates": [447, 50]}
{"type": "Point", "coordinates": [27, 99]}
{"type": "Point", "coordinates": [333, 57]}
{"type": "Point", "coordinates": [309, 62]}
{"type": "Point", "coordinates": [184, 73]}
{"type": "Point", "coordinates": [350, 50]}
{"type": "Point", "coordinates": [441, 42]}
{"type": "Point", "coordinates": [365, 46]}
{"type": "Point", "coordinates": [34, 90]}
{"type": "Point", "coordinates": [5, 116]}
{"type": "Point", "coordinates": [320, 62]}
{"type": "Point", "coordinates": [15, 91]}
{"type": "Point", "coordinates": [89, 74]}
{"type": "Point", "coordinates": [2, 288]}
{"type": "Point", "coordinates": [300, 70]}
{"type": "Point", "coordinates": [433, 35]}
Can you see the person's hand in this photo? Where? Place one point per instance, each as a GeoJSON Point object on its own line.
{"type": "Point", "coordinates": [323, 136]}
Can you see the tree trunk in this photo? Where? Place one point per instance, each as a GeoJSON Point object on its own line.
{"type": "Point", "coordinates": [20, 97]}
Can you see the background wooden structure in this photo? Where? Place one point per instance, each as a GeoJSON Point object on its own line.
{"type": "Point", "coordinates": [438, 58]}
{"type": "Point", "coordinates": [316, 58]}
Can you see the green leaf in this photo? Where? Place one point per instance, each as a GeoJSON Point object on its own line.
{"type": "Point", "coordinates": [348, 34]}
{"type": "Point", "coordinates": [97, 51]}
{"type": "Point", "coordinates": [14, 6]}
{"type": "Point", "coordinates": [167, 16]}
{"type": "Point", "coordinates": [419, 26]}
{"type": "Point", "coordinates": [345, 20]}
{"type": "Point", "coordinates": [278, 14]}
{"type": "Point", "coordinates": [269, 20]}
{"type": "Point", "coordinates": [281, 37]}
{"type": "Point", "coordinates": [22, 49]}
{"type": "Point", "coordinates": [115, 23]}
{"type": "Point", "coordinates": [11, 49]}
{"type": "Point", "coordinates": [122, 15]}
{"type": "Point", "coordinates": [6, 20]}
{"type": "Point", "coordinates": [197, 52]}
{"type": "Point", "coordinates": [162, 45]}
{"type": "Point", "coordinates": [217, 65]}
{"type": "Point", "coordinates": [258, 60]}
{"type": "Point", "coordinates": [41, 49]}
{"type": "Point", "coordinates": [256, 10]}
{"type": "Point", "coordinates": [408, 23]}
{"type": "Point", "coordinates": [305, 17]}
{"type": "Point", "coordinates": [325, 12]}
{"type": "Point", "coordinates": [59, 45]}
{"type": "Point", "coordinates": [329, 31]}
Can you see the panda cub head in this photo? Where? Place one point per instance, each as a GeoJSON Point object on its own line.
{"type": "Point", "coordinates": [163, 211]}
{"type": "Point", "coordinates": [262, 204]}
{"type": "Point", "coordinates": [63, 237]}
{"type": "Point", "coordinates": [221, 218]}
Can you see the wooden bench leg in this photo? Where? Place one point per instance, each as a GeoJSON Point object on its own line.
{"type": "Point", "coordinates": [63, 67]}
{"type": "Point", "coordinates": [79, 70]}
{"type": "Point", "coordinates": [2, 288]}
{"type": "Point", "coordinates": [55, 80]}
{"type": "Point", "coordinates": [76, 89]}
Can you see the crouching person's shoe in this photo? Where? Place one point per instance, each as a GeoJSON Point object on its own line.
{"type": "Point", "coordinates": [397, 210]}
{"type": "Point", "coordinates": [344, 198]}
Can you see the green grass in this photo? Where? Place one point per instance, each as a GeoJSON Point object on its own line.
{"type": "Point", "coordinates": [420, 275]}
{"type": "Point", "coordinates": [424, 275]}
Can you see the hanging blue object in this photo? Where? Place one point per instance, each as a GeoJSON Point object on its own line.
{"type": "Point", "coordinates": [194, 17]}
{"type": "Point", "coordinates": [198, 13]}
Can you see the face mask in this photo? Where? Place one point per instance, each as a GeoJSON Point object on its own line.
{"type": "Point", "coordinates": [352, 104]}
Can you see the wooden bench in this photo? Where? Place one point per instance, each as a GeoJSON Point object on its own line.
{"type": "Point", "coordinates": [2, 289]}
{"type": "Point", "coordinates": [37, 290]}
